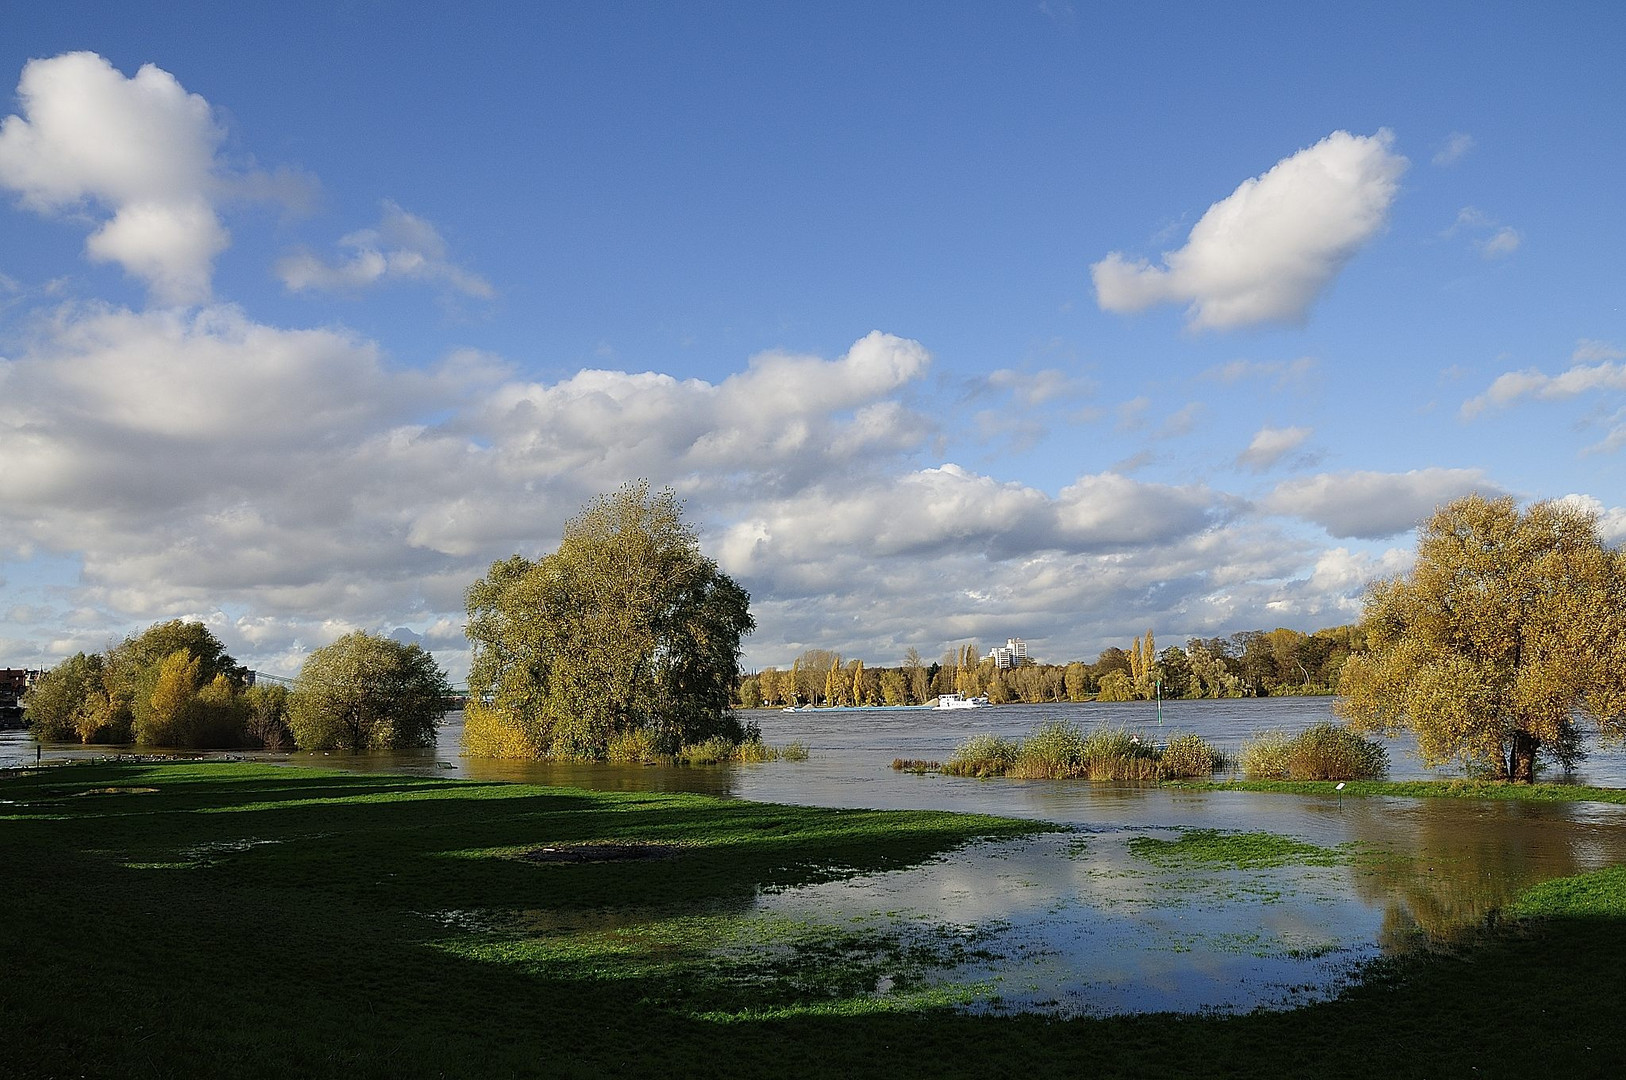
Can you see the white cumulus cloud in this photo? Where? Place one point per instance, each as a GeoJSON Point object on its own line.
{"type": "Point", "coordinates": [1266, 251]}
{"type": "Point", "coordinates": [141, 148]}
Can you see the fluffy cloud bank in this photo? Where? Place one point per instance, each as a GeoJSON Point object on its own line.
{"type": "Point", "coordinates": [199, 461]}
{"type": "Point", "coordinates": [283, 485]}
{"type": "Point", "coordinates": [1267, 250]}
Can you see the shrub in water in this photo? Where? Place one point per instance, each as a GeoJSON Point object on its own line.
{"type": "Point", "coordinates": [1053, 752]}
{"type": "Point", "coordinates": [636, 746]}
{"type": "Point", "coordinates": [755, 752]}
{"type": "Point", "coordinates": [1116, 754]}
{"type": "Point", "coordinates": [795, 751]}
{"type": "Point", "coordinates": [1188, 755]}
{"type": "Point", "coordinates": [713, 751]}
{"type": "Point", "coordinates": [1265, 756]}
{"type": "Point", "coordinates": [1333, 752]}
{"type": "Point", "coordinates": [982, 755]}
{"type": "Point", "coordinates": [1323, 752]}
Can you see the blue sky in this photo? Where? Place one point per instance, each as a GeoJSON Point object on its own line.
{"type": "Point", "coordinates": [949, 321]}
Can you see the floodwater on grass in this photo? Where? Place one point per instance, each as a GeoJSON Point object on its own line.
{"type": "Point", "coordinates": [1078, 923]}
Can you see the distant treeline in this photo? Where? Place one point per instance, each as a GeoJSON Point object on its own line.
{"type": "Point", "coordinates": [1252, 663]}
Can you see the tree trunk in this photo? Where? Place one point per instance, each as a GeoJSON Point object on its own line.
{"type": "Point", "coordinates": [1524, 758]}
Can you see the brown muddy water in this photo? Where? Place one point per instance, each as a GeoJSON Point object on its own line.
{"type": "Point", "coordinates": [1082, 922]}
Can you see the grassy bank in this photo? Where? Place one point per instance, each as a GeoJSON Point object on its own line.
{"type": "Point", "coordinates": [1417, 789]}
{"type": "Point", "coordinates": [241, 920]}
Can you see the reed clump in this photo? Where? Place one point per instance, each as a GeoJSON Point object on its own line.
{"type": "Point", "coordinates": [1323, 752]}
{"type": "Point", "coordinates": [713, 751]}
{"type": "Point", "coordinates": [751, 750]}
{"type": "Point", "coordinates": [915, 765]}
{"type": "Point", "coordinates": [1063, 751]}
{"type": "Point", "coordinates": [635, 747]}
{"type": "Point", "coordinates": [1191, 755]}
{"type": "Point", "coordinates": [755, 752]}
{"type": "Point", "coordinates": [982, 755]}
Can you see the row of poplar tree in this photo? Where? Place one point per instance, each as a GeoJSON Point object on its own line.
{"type": "Point", "coordinates": [1250, 663]}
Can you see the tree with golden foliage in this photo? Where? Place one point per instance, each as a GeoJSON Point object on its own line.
{"type": "Point", "coordinates": [1509, 629]}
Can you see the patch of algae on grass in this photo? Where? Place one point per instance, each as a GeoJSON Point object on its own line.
{"type": "Point", "coordinates": [1241, 851]}
{"type": "Point", "coordinates": [727, 966]}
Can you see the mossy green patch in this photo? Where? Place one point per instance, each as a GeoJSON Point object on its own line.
{"type": "Point", "coordinates": [1600, 894]}
{"type": "Point", "coordinates": [1243, 851]}
{"type": "Point", "coordinates": [1417, 789]}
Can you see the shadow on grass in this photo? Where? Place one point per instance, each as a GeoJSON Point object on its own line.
{"type": "Point", "coordinates": [307, 956]}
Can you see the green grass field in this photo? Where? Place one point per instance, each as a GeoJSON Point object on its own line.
{"type": "Point", "coordinates": [244, 921]}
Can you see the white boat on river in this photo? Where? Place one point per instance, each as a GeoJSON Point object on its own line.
{"type": "Point", "coordinates": [956, 701]}
{"type": "Point", "coordinates": [944, 701]}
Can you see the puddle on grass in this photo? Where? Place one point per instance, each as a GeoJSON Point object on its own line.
{"type": "Point", "coordinates": [1112, 919]}
{"type": "Point", "coordinates": [1103, 919]}
{"type": "Point", "coordinates": [1072, 934]}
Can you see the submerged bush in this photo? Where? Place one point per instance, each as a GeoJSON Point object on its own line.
{"type": "Point", "coordinates": [635, 747]}
{"type": "Point", "coordinates": [1053, 752]}
{"type": "Point", "coordinates": [1323, 752]}
{"type": "Point", "coordinates": [1265, 756]}
{"type": "Point", "coordinates": [755, 752]}
{"type": "Point", "coordinates": [982, 755]}
{"type": "Point", "coordinates": [750, 751]}
{"type": "Point", "coordinates": [1333, 752]}
{"type": "Point", "coordinates": [1061, 751]}
{"type": "Point", "coordinates": [1118, 754]}
{"type": "Point", "coordinates": [1189, 755]}
{"type": "Point", "coordinates": [713, 751]}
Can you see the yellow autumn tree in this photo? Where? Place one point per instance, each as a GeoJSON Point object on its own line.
{"type": "Point", "coordinates": [1510, 627]}
{"type": "Point", "coordinates": [1143, 665]}
{"type": "Point", "coordinates": [173, 708]}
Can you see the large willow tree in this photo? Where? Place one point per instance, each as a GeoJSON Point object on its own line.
{"type": "Point", "coordinates": [625, 630]}
{"type": "Point", "coordinates": [1509, 631]}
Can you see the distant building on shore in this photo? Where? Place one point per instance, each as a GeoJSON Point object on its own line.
{"type": "Point", "coordinates": [1013, 654]}
{"type": "Point", "coordinates": [14, 683]}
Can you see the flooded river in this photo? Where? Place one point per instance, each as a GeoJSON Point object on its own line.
{"type": "Point", "coordinates": [1081, 921]}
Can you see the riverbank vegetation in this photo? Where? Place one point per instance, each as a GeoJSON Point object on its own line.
{"type": "Point", "coordinates": [261, 922]}
{"type": "Point", "coordinates": [175, 686]}
{"type": "Point", "coordinates": [1063, 751]}
{"type": "Point", "coordinates": [1510, 629]}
